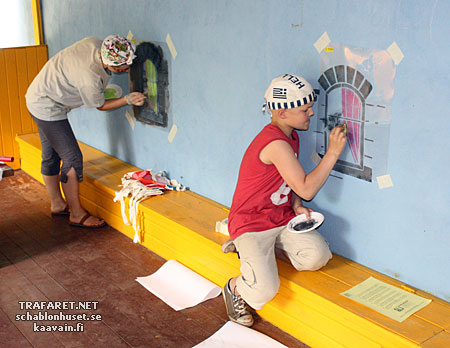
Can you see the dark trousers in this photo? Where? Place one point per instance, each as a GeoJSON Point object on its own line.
{"type": "Point", "coordinates": [59, 144]}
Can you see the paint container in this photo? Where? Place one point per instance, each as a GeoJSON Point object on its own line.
{"type": "Point", "coordinates": [300, 224]}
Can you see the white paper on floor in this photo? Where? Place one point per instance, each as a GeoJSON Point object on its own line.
{"type": "Point", "coordinates": [179, 286]}
{"type": "Point", "coordinates": [233, 335]}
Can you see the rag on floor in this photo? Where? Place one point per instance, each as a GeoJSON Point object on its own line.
{"type": "Point", "coordinates": [139, 186]}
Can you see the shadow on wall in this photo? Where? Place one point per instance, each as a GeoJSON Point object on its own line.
{"type": "Point", "coordinates": [120, 139]}
{"type": "Point", "coordinates": [334, 229]}
{"type": "Point", "coordinates": [120, 133]}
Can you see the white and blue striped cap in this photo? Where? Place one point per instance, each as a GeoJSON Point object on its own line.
{"type": "Point", "coordinates": [288, 91]}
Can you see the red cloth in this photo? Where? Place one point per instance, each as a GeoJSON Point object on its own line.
{"type": "Point", "coordinates": [259, 201]}
{"type": "Point", "coordinates": [145, 177]}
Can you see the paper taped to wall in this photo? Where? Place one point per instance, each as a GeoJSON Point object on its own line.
{"type": "Point", "coordinates": [323, 42]}
{"type": "Point", "coordinates": [396, 53]}
{"type": "Point", "coordinates": [384, 181]}
{"type": "Point", "coordinates": [356, 90]}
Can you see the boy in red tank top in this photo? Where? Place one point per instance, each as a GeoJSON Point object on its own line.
{"type": "Point", "coordinates": [269, 192]}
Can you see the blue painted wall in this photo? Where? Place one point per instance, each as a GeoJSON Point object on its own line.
{"type": "Point", "coordinates": [228, 51]}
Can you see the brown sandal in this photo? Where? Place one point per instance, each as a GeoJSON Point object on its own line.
{"type": "Point", "coordinates": [83, 219]}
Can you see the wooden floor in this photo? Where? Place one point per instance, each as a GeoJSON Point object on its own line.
{"type": "Point", "coordinates": [43, 259]}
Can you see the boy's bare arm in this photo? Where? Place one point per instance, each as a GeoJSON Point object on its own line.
{"type": "Point", "coordinates": [280, 154]}
{"type": "Point", "coordinates": [297, 206]}
{"type": "Point", "coordinates": [112, 104]}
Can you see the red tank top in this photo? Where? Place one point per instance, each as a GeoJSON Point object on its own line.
{"type": "Point", "coordinates": [262, 199]}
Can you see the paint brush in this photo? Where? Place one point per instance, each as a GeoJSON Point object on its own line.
{"type": "Point", "coordinates": [149, 100]}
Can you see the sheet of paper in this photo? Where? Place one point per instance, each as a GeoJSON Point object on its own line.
{"type": "Point", "coordinates": [384, 181]}
{"type": "Point", "coordinates": [322, 42]}
{"type": "Point", "coordinates": [387, 299]}
{"type": "Point", "coordinates": [233, 335]}
{"type": "Point", "coordinates": [396, 53]}
{"type": "Point", "coordinates": [178, 286]}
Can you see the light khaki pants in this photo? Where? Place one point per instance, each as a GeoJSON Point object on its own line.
{"type": "Point", "coordinates": [259, 281]}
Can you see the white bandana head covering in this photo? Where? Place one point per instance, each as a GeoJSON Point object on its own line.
{"type": "Point", "coordinates": [288, 91]}
{"type": "Point", "coordinates": [117, 50]}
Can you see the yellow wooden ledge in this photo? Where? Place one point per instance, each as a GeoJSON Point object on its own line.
{"type": "Point", "coordinates": [180, 225]}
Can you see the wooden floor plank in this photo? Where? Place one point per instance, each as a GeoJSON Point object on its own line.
{"type": "Point", "coordinates": [14, 290]}
{"type": "Point", "coordinates": [10, 336]}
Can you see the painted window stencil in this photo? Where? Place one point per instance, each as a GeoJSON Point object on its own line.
{"type": "Point", "coordinates": [345, 103]}
{"type": "Point", "coordinates": [350, 95]}
{"type": "Point", "coordinates": [149, 74]}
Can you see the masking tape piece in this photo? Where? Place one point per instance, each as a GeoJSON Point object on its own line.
{"type": "Point", "coordinates": [329, 49]}
{"type": "Point", "coordinates": [129, 35]}
{"type": "Point", "coordinates": [396, 53]}
{"type": "Point", "coordinates": [384, 181]}
{"type": "Point", "coordinates": [130, 120]}
{"type": "Point", "coordinates": [315, 158]}
{"type": "Point", "coordinates": [172, 133]}
{"type": "Point", "coordinates": [171, 46]}
{"type": "Point", "coordinates": [323, 42]}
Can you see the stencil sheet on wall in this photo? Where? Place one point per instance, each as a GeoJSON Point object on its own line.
{"type": "Point", "coordinates": [357, 88]}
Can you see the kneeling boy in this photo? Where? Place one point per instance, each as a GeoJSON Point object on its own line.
{"type": "Point", "coordinates": [269, 192]}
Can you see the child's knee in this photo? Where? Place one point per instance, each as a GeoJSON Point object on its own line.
{"type": "Point", "coordinates": [258, 295]}
{"type": "Point", "coordinates": [312, 259]}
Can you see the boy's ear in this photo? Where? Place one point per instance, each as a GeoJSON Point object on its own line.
{"type": "Point", "coordinates": [282, 113]}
